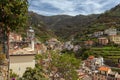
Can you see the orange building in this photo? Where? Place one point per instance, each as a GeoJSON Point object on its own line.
{"type": "Point", "coordinates": [102, 74]}
{"type": "Point", "coordinates": [105, 73]}
{"type": "Point", "coordinates": [89, 43]}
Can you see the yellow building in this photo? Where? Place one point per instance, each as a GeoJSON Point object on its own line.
{"type": "Point", "coordinates": [115, 39]}
{"type": "Point", "coordinates": [19, 63]}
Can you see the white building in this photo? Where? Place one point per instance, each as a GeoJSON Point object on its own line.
{"type": "Point", "coordinates": [99, 61]}
{"type": "Point", "coordinates": [21, 58]}
{"type": "Point", "coordinates": [94, 63]}
{"type": "Point", "coordinates": [111, 31]}
{"type": "Point", "coordinates": [98, 34]}
{"type": "Point", "coordinates": [30, 37]}
{"type": "Point", "coordinates": [76, 48]}
{"type": "Point", "coordinates": [68, 45]}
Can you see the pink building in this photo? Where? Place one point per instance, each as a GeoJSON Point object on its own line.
{"type": "Point", "coordinates": [103, 41]}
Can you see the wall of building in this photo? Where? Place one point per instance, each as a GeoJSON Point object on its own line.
{"type": "Point", "coordinates": [19, 63]}
{"type": "Point", "coordinates": [115, 39]}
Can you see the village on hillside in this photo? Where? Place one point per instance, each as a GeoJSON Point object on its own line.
{"type": "Point", "coordinates": [59, 40]}
{"type": "Point", "coordinates": [105, 37]}
{"type": "Point", "coordinates": [22, 52]}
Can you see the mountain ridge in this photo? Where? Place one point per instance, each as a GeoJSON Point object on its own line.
{"type": "Point", "coordinates": [65, 26]}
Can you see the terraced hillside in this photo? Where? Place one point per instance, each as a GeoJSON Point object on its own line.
{"type": "Point", "coordinates": [110, 54]}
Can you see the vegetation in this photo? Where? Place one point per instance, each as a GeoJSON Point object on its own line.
{"type": "Point", "coordinates": [79, 26]}
{"type": "Point", "coordinates": [33, 74]}
{"type": "Point", "coordinates": [41, 31]}
{"type": "Point", "coordinates": [52, 65]}
{"type": "Point", "coordinates": [65, 27]}
{"type": "Point", "coordinates": [111, 54]}
{"type": "Point", "coordinates": [116, 69]}
{"type": "Point", "coordinates": [13, 75]}
{"type": "Point", "coordinates": [2, 59]}
{"type": "Point", "coordinates": [13, 15]}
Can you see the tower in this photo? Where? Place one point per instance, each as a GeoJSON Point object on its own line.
{"type": "Point", "coordinates": [30, 37]}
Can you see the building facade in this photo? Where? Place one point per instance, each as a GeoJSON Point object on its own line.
{"type": "Point", "coordinates": [110, 31]}
{"type": "Point", "coordinates": [98, 34]}
{"type": "Point", "coordinates": [105, 73]}
{"type": "Point", "coordinates": [19, 63]}
{"type": "Point", "coordinates": [103, 41]}
{"type": "Point", "coordinates": [13, 37]}
{"type": "Point", "coordinates": [115, 39]}
{"type": "Point", "coordinates": [88, 43]}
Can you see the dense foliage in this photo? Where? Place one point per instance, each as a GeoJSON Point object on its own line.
{"type": "Point", "coordinates": [2, 59]}
{"type": "Point", "coordinates": [33, 74]}
{"type": "Point", "coordinates": [52, 65]}
{"type": "Point", "coordinates": [13, 14]}
{"type": "Point", "coordinates": [13, 75]}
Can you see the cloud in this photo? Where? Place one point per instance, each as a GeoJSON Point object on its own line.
{"type": "Point", "coordinates": [71, 7]}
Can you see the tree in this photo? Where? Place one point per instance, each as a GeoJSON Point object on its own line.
{"type": "Point", "coordinates": [2, 59]}
{"type": "Point", "coordinates": [33, 74]}
{"type": "Point", "coordinates": [13, 15]}
{"type": "Point", "coordinates": [56, 66]}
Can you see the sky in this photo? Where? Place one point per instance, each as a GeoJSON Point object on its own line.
{"type": "Point", "coordinates": [71, 7]}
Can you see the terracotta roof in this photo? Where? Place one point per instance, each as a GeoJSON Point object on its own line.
{"type": "Point", "coordinates": [20, 51]}
{"type": "Point", "coordinates": [91, 57]}
{"type": "Point", "coordinates": [104, 68]}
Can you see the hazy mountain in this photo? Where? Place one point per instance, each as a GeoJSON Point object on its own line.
{"type": "Point", "coordinates": [76, 26]}
{"type": "Point", "coordinates": [63, 25]}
